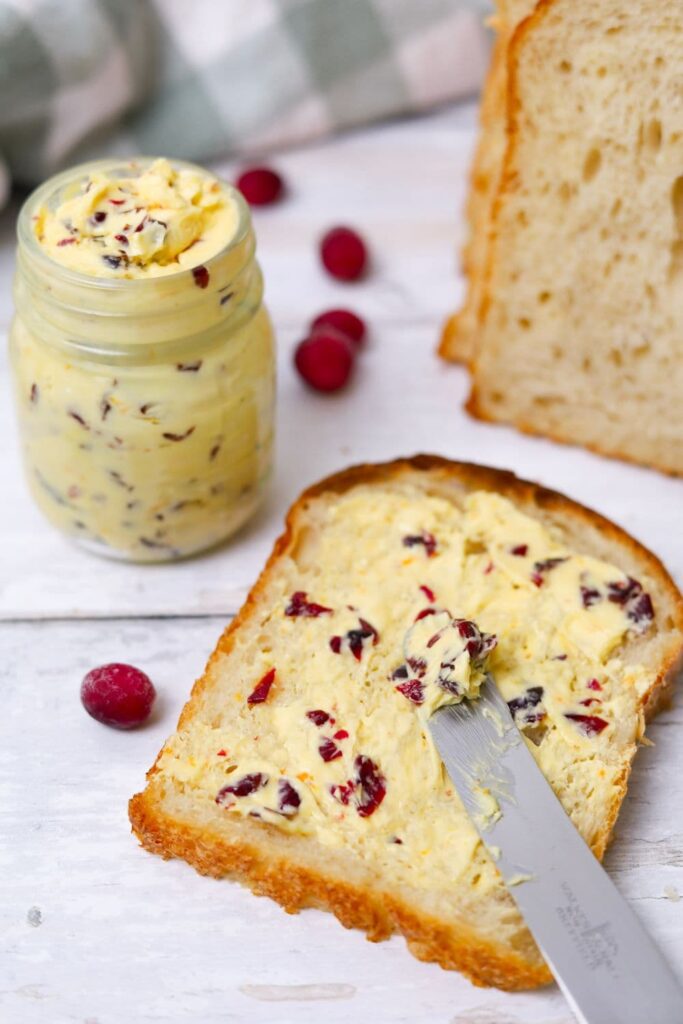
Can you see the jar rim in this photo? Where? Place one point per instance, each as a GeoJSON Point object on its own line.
{"type": "Point", "coordinates": [48, 188]}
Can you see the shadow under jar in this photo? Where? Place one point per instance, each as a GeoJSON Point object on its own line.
{"type": "Point", "coordinates": [145, 405]}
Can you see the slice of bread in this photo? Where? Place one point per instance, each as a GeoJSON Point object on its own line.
{"type": "Point", "coordinates": [581, 322]}
{"type": "Point", "coordinates": [460, 331]}
{"type": "Point", "coordinates": [301, 765]}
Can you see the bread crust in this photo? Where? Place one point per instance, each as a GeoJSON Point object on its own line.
{"type": "Point", "coordinates": [266, 867]}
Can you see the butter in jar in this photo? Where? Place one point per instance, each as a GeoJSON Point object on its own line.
{"type": "Point", "coordinates": [142, 358]}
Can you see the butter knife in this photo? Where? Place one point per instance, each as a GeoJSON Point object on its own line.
{"type": "Point", "coordinates": [607, 966]}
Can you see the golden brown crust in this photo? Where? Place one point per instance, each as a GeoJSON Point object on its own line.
{"type": "Point", "coordinates": [378, 914]}
{"type": "Point", "coordinates": [296, 888]}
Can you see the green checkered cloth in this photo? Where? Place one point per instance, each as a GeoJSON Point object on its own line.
{"type": "Point", "coordinates": [201, 79]}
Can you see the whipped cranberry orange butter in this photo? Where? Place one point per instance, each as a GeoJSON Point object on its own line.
{"type": "Point", "coordinates": [143, 358]}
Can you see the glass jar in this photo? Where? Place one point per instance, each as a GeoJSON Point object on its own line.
{"type": "Point", "coordinates": [145, 405]}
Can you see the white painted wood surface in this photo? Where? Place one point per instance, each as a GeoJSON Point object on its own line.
{"type": "Point", "coordinates": [94, 931]}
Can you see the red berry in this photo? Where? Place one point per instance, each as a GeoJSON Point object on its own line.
{"type": "Point", "coordinates": [343, 254]}
{"type": "Point", "coordinates": [341, 320]}
{"type": "Point", "coordinates": [260, 186]}
{"type": "Point", "coordinates": [325, 360]}
{"type": "Point", "coordinates": [118, 695]}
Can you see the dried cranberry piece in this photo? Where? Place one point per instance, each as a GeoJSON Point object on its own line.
{"type": "Point", "coordinates": [169, 436]}
{"type": "Point", "coordinates": [260, 186]}
{"type": "Point", "coordinates": [479, 645]}
{"type": "Point", "coordinates": [589, 596]}
{"type": "Point", "coordinates": [342, 792]}
{"type": "Point", "coordinates": [189, 367]}
{"type": "Point", "coordinates": [638, 604]}
{"type": "Point", "coordinates": [520, 550]}
{"type": "Point", "coordinates": [288, 798]}
{"type": "Point", "coordinates": [523, 706]}
{"type": "Point", "coordinates": [116, 202]}
{"type": "Point", "coordinates": [343, 254]}
{"type": "Point", "coordinates": [245, 786]}
{"type": "Point", "coordinates": [99, 216]}
{"type": "Point", "coordinates": [424, 613]}
{"type": "Point", "coordinates": [299, 605]}
{"type": "Point", "coordinates": [341, 320]}
{"type": "Point", "coordinates": [426, 539]}
{"type": "Point", "coordinates": [372, 785]}
{"type": "Point", "coordinates": [623, 591]}
{"type": "Point", "coordinates": [34, 394]}
{"type": "Point", "coordinates": [418, 665]}
{"type": "Point", "coordinates": [413, 689]}
{"type": "Point", "coordinates": [592, 725]}
{"type": "Point", "coordinates": [593, 684]}
{"type": "Point", "coordinates": [400, 673]}
{"type": "Point", "coordinates": [66, 241]}
{"type": "Point", "coordinates": [328, 749]}
{"type": "Point", "coordinates": [260, 692]}
{"type": "Point", "coordinates": [428, 592]}
{"type": "Point", "coordinates": [113, 261]}
{"type": "Point", "coordinates": [590, 700]}
{"type": "Point", "coordinates": [318, 717]}
{"type": "Point", "coordinates": [641, 610]}
{"type": "Point", "coordinates": [201, 276]}
{"type": "Point", "coordinates": [118, 695]}
{"type": "Point", "coordinates": [341, 734]}
{"type": "Point", "coordinates": [122, 239]}
{"type": "Point", "coordinates": [325, 359]}
{"type": "Point", "coordinates": [541, 568]}
{"type": "Point", "coordinates": [356, 639]}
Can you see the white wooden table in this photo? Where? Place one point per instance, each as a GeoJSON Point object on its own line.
{"type": "Point", "coordinates": [93, 930]}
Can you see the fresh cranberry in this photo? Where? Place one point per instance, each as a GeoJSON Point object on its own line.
{"type": "Point", "coordinates": [342, 320]}
{"type": "Point", "coordinates": [591, 724]}
{"type": "Point", "coordinates": [318, 717]}
{"type": "Point", "coordinates": [118, 695]}
{"type": "Point", "coordinates": [260, 692]}
{"type": "Point", "coordinates": [299, 605]}
{"type": "Point", "coordinates": [328, 750]}
{"type": "Point", "coordinates": [344, 254]}
{"type": "Point", "coordinates": [245, 786]}
{"type": "Point", "coordinates": [288, 799]}
{"type": "Point", "coordinates": [372, 784]}
{"type": "Point", "coordinates": [413, 689]}
{"type": "Point", "coordinates": [325, 359]}
{"type": "Point", "coordinates": [260, 186]}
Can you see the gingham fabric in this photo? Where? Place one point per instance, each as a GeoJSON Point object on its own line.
{"type": "Point", "coordinates": [205, 78]}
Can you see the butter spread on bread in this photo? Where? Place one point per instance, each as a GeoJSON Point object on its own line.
{"type": "Point", "coordinates": [337, 747]}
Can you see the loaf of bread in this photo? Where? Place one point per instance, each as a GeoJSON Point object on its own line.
{"type": "Point", "coordinates": [574, 320]}
{"type": "Point", "coordinates": [302, 766]}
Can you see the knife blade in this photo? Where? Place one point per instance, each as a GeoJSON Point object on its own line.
{"type": "Point", "coordinates": [606, 964]}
